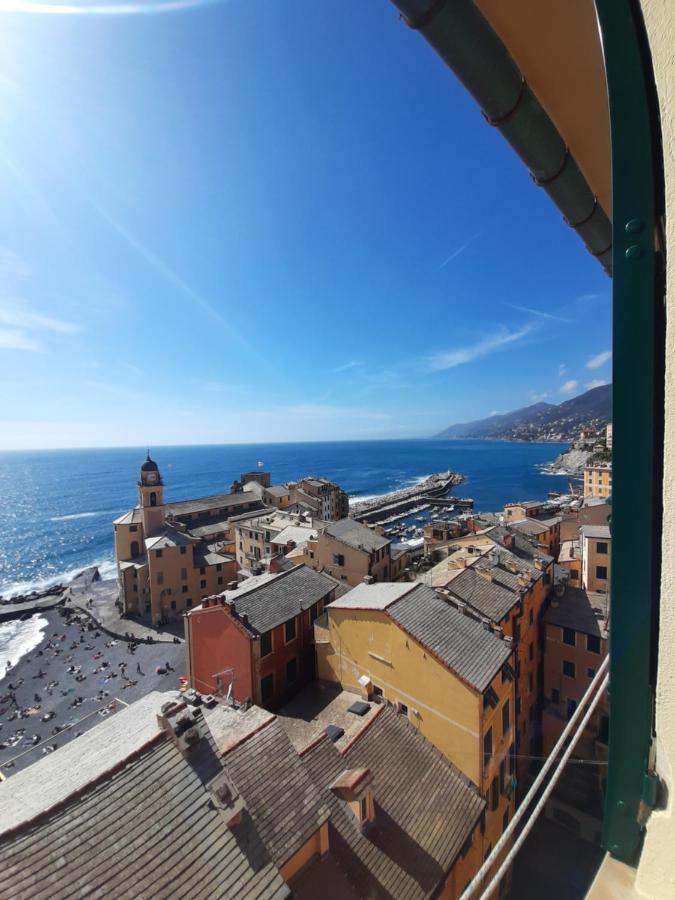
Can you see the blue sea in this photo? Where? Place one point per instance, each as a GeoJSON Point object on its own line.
{"type": "Point", "coordinates": [57, 506]}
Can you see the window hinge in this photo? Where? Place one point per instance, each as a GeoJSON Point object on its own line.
{"type": "Point", "coordinates": [649, 795]}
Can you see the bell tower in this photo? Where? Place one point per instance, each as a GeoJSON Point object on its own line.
{"type": "Point", "coordinates": [151, 496]}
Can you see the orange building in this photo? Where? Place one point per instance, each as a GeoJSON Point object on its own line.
{"type": "Point", "coordinates": [511, 593]}
{"type": "Point", "coordinates": [256, 642]}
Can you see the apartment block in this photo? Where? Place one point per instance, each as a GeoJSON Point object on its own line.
{"type": "Point", "coordinates": [441, 668]}
{"type": "Point", "coordinates": [255, 642]}
{"type": "Point", "coordinates": [598, 480]}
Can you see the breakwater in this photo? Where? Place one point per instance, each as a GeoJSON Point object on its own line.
{"type": "Point", "coordinates": [411, 499]}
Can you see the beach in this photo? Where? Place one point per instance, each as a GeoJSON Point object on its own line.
{"type": "Point", "coordinates": [73, 675]}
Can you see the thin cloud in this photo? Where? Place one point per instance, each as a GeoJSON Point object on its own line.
{"type": "Point", "coordinates": [537, 398]}
{"type": "Point", "coordinates": [538, 312]}
{"type": "Point", "coordinates": [583, 297]}
{"type": "Point", "coordinates": [25, 320]}
{"type": "Point", "coordinates": [459, 250]}
{"type": "Point", "coordinates": [597, 382]}
{"type": "Point", "coordinates": [599, 360]}
{"type": "Point", "coordinates": [167, 273]}
{"type": "Point", "coordinates": [11, 339]}
{"type": "Point", "coordinates": [354, 364]}
{"type": "Point", "coordinates": [43, 7]}
{"type": "Point", "coordinates": [569, 386]}
{"type": "Point", "coordinates": [562, 369]}
{"type": "Point", "coordinates": [462, 355]}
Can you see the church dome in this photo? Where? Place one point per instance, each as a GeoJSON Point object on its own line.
{"type": "Point", "coordinates": [149, 465]}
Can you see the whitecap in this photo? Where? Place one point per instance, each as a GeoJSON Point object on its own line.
{"type": "Point", "coordinates": [106, 568]}
{"type": "Point", "coordinates": [82, 515]}
{"type": "Point", "coordinates": [18, 638]}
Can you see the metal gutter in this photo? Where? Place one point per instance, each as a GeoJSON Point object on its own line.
{"type": "Point", "coordinates": [462, 37]}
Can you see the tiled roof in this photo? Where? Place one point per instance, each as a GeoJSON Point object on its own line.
{"type": "Point", "coordinates": [168, 537]}
{"type": "Point", "coordinates": [596, 531]}
{"type": "Point", "coordinates": [284, 802]}
{"type": "Point", "coordinates": [490, 598]}
{"type": "Point", "coordinates": [214, 501]}
{"type": "Point", "coordinates": [145, 829]}
{"type": "Point", "coordinates": [297, 533]}
{"type": "Point", "coordinates": [133, 517]}
{"type": "Point", "coordinates": [374, 596]}
{"type": "Point", "coordinates": [278, 490]}
{"type": "Point", "coordinates": [424, 812]}
{"type": "Point", "coordinates": [457, 639]}
{"type": "Point", "coordinates": [278, 598]}
{"type": "Point", "coordinates": [520, 545]}
{"type": "Point", "coordinates": [581, 610]}
{"type": "Point", "coordinates": [534, 526]}
{"type": "Point", "coordinates": [356, 535]}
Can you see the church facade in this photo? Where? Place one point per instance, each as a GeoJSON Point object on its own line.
{"type": "Point", "coordinates": [170, 556]}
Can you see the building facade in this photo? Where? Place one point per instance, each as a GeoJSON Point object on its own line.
{"type": "Point", "coordinates": [598, 480]}
{"type": "Point", "coordinates": [256, 641]}
{"type": "Point", "coordinates": [171, 555]}
{"type": "Point", "coordinates": [440, 668]}
{"type": "Point", "coordinates": [350, 552]}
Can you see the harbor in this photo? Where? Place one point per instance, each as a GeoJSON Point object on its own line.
{"type": "Point", "coordinates": [403, 514]}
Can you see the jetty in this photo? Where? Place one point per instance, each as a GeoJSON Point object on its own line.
{"type": "Point", "coordinates": [407, 501]}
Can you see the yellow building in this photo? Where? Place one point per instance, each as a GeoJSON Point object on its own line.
{"type": "Point", "coordinates": [596, 545]}
{"type": "Point", "coordinates": [171, 555]}
{"type": "Point", "coordinates": [442, 669]}
{"type": "Point", "coordinates": [510, 593]}
{"type": "Point", "coordinates": [575, 639]}
{"type": "Point", "coordinates": [598, 480]}
{"type": "Point", "coordinates": [570, 560]}
{"type": "Point", "coordinates": [349, 551]}
{"type": "Point", "coordinates": [255, 535]}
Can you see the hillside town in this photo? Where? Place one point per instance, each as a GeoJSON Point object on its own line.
{"type": "Point", "coordinates": [336, 702]}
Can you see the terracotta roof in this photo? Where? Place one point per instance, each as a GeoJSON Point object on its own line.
{"type": "Point", "coordinates": [425, 810]}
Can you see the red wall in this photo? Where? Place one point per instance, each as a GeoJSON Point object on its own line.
{"type": "Point", "coordinates": [217, 643]}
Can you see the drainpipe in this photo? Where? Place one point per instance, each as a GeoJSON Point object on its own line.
{"type": "Point", "coordinates": [463, 38]}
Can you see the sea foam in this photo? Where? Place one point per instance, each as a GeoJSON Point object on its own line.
{"type": "Point", "coordinates": [106, 568]}
{"type": "Point", "coordinates": [18, 638]}
{"type": "Point", "coordinates": [82, 515]}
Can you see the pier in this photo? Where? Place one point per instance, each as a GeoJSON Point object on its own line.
{"type": "Point", "coordinates": [408, 501]}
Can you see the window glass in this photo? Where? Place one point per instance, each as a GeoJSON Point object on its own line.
{"type": "Point", "coordinates": [568, 668]}
{"type": "Point", "coordinates": [266, 687]}
{"type": "Point", "coordinates": [569, 637]}
{"type": "Point", "coordinates": [593, 643]}
{"type": "Point", "coordinates": [290, 630]}
{"type": "Point", "coordinates": [266, 643]}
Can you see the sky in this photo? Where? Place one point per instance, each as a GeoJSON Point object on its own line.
{"type": "Point", "coordinates": [268, 220]}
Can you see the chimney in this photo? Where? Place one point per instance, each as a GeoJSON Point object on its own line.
{"type": "Point", "coordinates": [232, 585]}
{"type": "Point", "coordinates": [179, 724]}
{"type": "Point", "coordinates": [205, 604]}
{"type": "Point", "coordinates": [244, 618]}
{"type": "Point", "coordinates": [368, 579]}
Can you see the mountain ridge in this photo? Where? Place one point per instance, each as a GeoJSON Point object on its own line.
{"type": "Point", "coordinates": [540, 421]}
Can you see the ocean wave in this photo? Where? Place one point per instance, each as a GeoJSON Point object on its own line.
{"type": "Point", "coordinates": [403, 485]}
{"type": "Point", "coordinates": [18, 638]}
{"type": "Point", "coordinates": [83, 515]}
{"type": "Point", "coordinates": [106, 568]}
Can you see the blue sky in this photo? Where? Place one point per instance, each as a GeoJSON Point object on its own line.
{"type": "Point", "coordinates": [263, 220]}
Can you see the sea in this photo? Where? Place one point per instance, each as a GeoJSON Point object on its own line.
{"type": "Point", "coordinates": [57, 506]}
